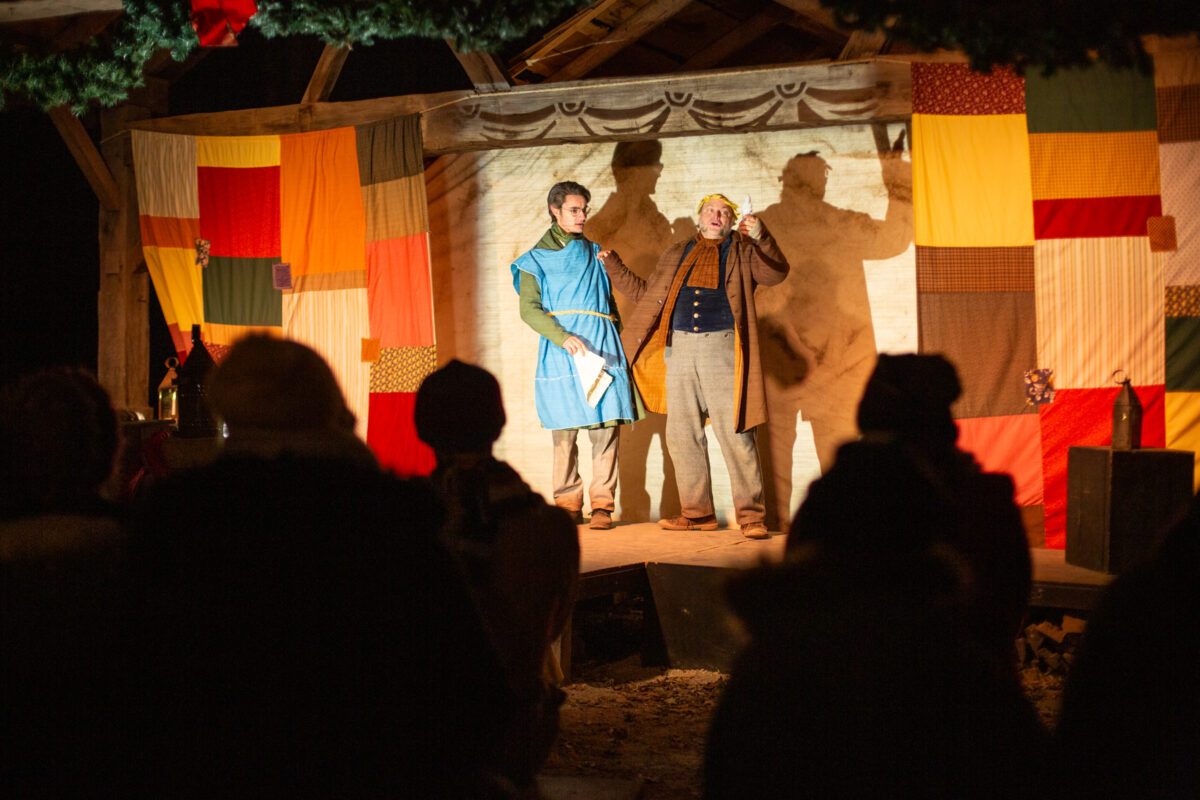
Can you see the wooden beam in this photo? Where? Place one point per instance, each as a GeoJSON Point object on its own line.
{"type": "Point", "coordinates": [549, 44]}
{"type": "Point", "coordinates": [325, 75]}
{"type": "Point", "coordinates": [733, 101]}
{"type": "Point", "coordinates": [90, 162]}
{"type": "Point", "coordinates": [739, 36]}
{"type": "Point", "coordinates": [483, 70]}
{"type": "Point", "coordinates": [23, 10]}
{"type": "Point", "coordinates": [646, 19]}
{"type": "Point", "coordinates": [123, 302]}
{"type": "Point", "coordinates": [816, 15]}
{"type": "Point", "coordinates": [864, 44]}
{"type": "Point", "coordinates": [296, 118]}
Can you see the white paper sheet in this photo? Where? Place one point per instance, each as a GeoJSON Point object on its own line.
{"type": "Point", "coordinates": [593, 380]}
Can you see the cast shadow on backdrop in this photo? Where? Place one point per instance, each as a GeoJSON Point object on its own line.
{"type": "Point", "coordinates": [815, 329]}
{"type": "Point", "coordinates": [629, 222]}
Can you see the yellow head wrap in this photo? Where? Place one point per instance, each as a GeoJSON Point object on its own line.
{"type": "Point", "coordinates": [723, 199]}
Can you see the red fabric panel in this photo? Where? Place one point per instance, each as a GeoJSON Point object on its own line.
{"type": "Point", "coordinates": [1094, 217]}
{"type": "Point", "coordinates": [1083, 418]}
{"type": "Point", "coordinates": [239, 210]}
{"type": "Point", "coordinates": [958, 89]}
{"type": "Point", "coordinates": [399, 292]}
{"type": "Point", "coordinates": [392, 434]}
{"type": "Point", "coordinates": [1010, 444]}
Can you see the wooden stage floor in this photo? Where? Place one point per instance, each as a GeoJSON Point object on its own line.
{"type": "Point", "coordinates": [615, 560]}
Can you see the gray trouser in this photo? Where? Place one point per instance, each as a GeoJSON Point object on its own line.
{"type": "Point", "coordinates": [700, 381]}
{"type": "Point", "coordinates": [568, 485]}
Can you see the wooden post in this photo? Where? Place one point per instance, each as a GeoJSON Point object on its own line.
{"type": "Point", "coordinates": [123, 360]}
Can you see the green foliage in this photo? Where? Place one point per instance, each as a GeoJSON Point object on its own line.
{"type": "Point", "coordinates": [104, 70]}
{"type": "Point", "coordinates": [1025, 33]}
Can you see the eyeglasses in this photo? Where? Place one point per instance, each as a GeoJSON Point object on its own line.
{"type": "Point", "coordinates": [575, 211]}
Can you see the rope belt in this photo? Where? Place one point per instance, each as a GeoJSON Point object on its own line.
{"type": "Point", "coordinates": [593, 313]}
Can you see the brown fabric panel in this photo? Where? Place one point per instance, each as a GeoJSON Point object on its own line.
{"type": "Point", "coordinates": [974, 269]}
{"type": "Point", "coordinates": [389, 149]}
{"type": "Point", "coordinates": [991, 337]}
{"type": "Point", "coordinates": [395, 209]}
{"type": "Point", "coordinates": [329, 281]}
{"type": "Point", "coordinates": [1161, 231]}
{"type": "Point", "coordinates": [1178, 113]}
{"type": "Point", "coordinates": [1183, 301]}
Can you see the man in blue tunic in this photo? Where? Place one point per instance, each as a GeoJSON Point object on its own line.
{"type": "Point", "coordinates": [567, 298]}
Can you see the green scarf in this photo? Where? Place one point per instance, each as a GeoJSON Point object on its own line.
{"type": "Point", "coordinates": [556, 238]}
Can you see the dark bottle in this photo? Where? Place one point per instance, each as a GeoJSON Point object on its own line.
{"type": "Point", "coordinates": [195, 418]}
{"type": "Point", "coordinates": [1127, 419]}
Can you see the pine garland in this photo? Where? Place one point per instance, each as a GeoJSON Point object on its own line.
{"type": "Point", "coordinates": [1049, 34]}
{"type": "Point", "coordinates": [109, 66]}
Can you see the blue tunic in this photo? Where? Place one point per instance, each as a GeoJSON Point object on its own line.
{"type": "Point", "coordinates": [576, 291]}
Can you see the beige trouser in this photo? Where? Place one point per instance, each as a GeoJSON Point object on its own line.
{"type": "Point", "coordinates": [700, 382]}
{"type": "Point", "coordinates": [568, 485]}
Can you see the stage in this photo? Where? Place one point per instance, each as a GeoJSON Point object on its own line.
{"type": "Point", "coordinates": [680, 573]}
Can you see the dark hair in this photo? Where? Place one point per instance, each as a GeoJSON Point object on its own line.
{"type": "Point", "coordinates": [58, 439]}
{"type": "Point", "coordinates": [560, 191]}
{"type": "Point", "coordinates": [458, 409]}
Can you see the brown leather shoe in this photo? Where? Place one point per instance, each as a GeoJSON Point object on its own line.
{"type": "Point", "coordinates": [755, 530]}
{"type": "Point", "coordinates": [708, 523]}
{"type": "Point", "coordinates": [576, 515]}
{"type": "Point", "coordinates": [601, 519]}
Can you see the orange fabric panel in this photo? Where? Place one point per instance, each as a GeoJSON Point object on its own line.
{"type": "Point", "coordinates": [169, 232]}
{"type": "Point", "coordinates": [230, 334]}
{"type": "Point", "coordinates": [399, 292]}
{"type": "Point", "coordinates": [1011, 444]}
{"type": "Point", "coordinates": [323, 224]}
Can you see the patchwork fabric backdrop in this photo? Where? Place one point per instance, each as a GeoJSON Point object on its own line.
{"type": "Point", "coordinates": [319, 237]}
{"type": "Point", "coordinates": [1057, 239]}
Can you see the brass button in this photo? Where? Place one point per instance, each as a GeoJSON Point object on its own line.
{"type": "Point", "coordinates": [696, 329]}
{"type": "Point", "coordinates": [695, 316]}
{"type": "Point", "coordinates": [696, 303]}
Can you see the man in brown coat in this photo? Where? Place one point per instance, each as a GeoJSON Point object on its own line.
{"type": "Point", "coordinates": [693, 343]}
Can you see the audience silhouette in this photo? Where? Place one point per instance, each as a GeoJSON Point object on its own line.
{"type": "Point", "coordinates": [520, 555]}
{"type": "Point", "coordinates": [881, 658]}
{"type": "Point", "coordinates": [61, 573]}
{"type": "Point", "coordinates": [297, 626]}
{"type": "Point", "coordinates": [1130, 720]}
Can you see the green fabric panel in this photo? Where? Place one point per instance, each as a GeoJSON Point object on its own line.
{"type": "Point", "coordinates": [240, 291]}
{"type": "Point", "coordinates": [1183, 354]}
{"type": "Point", "coordinates": [991, 337]}
{"type": "Point", "coordinates": [1098, 99]}
{"type": "Point", "coordinates": [389, 149]}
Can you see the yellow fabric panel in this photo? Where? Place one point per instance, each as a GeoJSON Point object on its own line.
{"type": "Point", "coordinates": [178, 283]}
{"type": "Point", "coordinates": [1067, 165]}
{"type": "Point", "coordinates": [971, 184]}
{"type": "Point", "coordinates": [396, 209]}
{"type": "Point", "coordinates": [237, 151]}
{"type": "Point", "coordinates": [165, 173]}
{"type": "Point", "coordinates": [1183, 425]}
{"type": "Point", "coordinates": [229, 334]}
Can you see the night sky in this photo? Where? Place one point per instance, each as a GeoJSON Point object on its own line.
{"type": "Point", "coordinates": [49, 260]}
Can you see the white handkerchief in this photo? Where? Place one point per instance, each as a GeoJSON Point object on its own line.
{"type": "Point", "coordinates": [593, 380]}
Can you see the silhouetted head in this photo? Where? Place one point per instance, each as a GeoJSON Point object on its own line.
{"type": "Point", "coordinates": [631, 159]}
{"type": "Point", "coordinates": [270, 384]}
{"type": "Point", "coordinates": [806, 173]}
{"type": "Point", "coordinates": [909, 396]}
{"type": "Point", "coordinates": [459, 409]}
{"type": "Point", "coordinates": [58, 440]}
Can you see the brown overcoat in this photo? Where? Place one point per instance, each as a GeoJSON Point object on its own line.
{"type": "Point", "coordinates": [749, 263]}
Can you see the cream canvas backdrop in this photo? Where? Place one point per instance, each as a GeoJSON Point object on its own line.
{"type": "Point", "coordinates": [851, 291]}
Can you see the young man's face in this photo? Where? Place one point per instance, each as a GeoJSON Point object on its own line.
{"type": "Point", "coordinates": [572, 215]}
{"type": "Point", "coordinates": [716, 219]}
